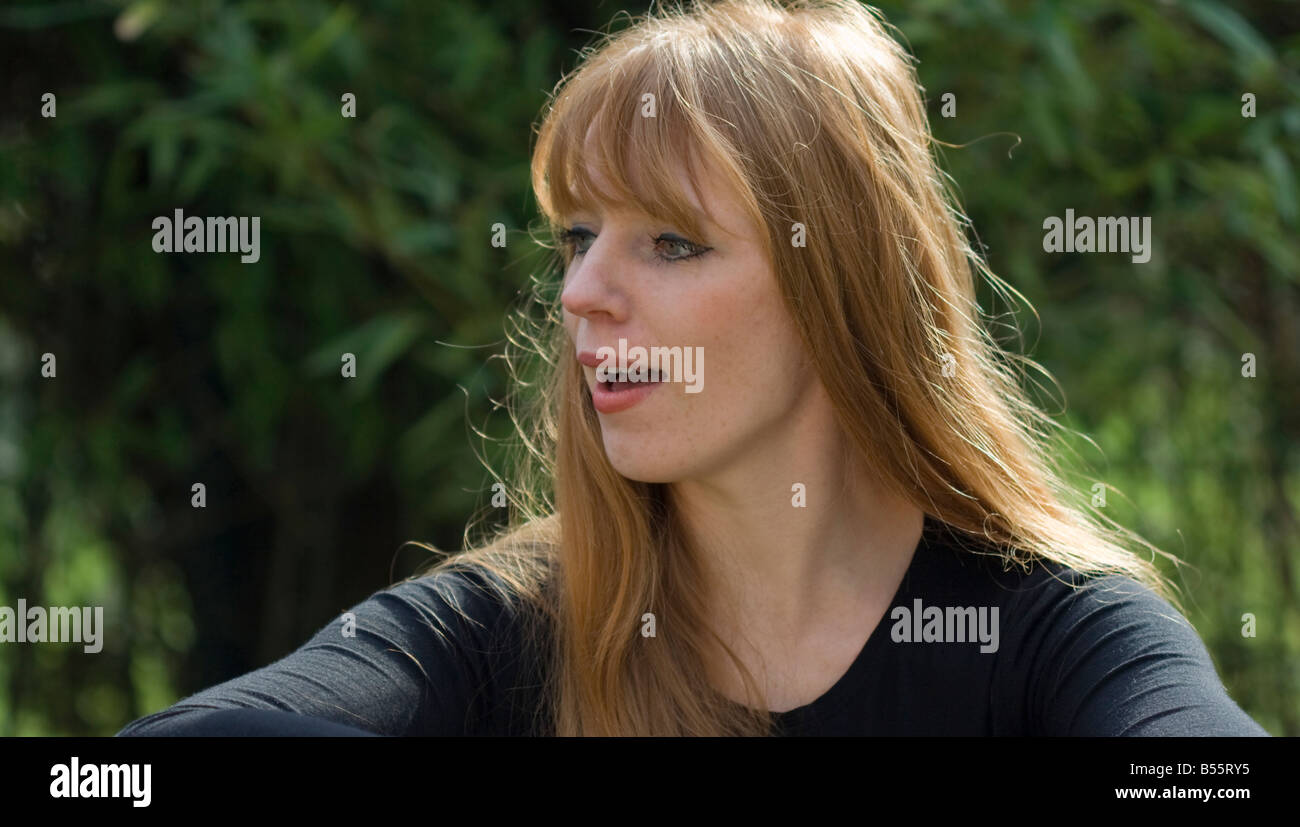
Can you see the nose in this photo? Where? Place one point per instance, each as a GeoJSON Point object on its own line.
{"type": "Point", "coordinates": [590, 290]}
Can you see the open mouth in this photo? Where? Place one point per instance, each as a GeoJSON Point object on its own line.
{"type": "Point", "coordinates": [622, 383]}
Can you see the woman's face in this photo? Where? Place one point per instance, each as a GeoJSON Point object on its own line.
{"type": "Point", "coordinates": [637, 279]}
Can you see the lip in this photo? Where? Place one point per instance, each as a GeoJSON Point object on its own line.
{"type": "Point", "coordinates": [609, 402]}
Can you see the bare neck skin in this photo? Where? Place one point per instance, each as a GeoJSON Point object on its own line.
{"type": "Point", "coordinates": [798, 589]}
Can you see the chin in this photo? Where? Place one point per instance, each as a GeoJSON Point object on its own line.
{"type": "Point", "coordinates": [644, 463]}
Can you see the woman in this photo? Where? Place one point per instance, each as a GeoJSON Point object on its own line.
{"type": "Point", "coordinates": [850, 523]}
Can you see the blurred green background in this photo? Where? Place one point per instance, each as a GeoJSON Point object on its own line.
{"type": "Point", "coordinates": [375, 240]}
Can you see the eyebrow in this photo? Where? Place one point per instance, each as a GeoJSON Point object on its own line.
{"type": "Point", "coordinates": [705, 223]}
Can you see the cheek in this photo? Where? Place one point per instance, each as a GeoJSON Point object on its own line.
{"type": "Point", "coordinates": [753, 355]}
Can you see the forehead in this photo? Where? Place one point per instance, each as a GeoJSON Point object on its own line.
{"type": "Point", "coordinates": [712, 201]}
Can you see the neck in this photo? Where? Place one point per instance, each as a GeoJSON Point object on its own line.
{"type": "Point", "coordinates": [785, 557]}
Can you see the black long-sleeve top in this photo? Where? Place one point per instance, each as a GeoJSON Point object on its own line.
{"type": "Point", "coordinates": [1008, 653]}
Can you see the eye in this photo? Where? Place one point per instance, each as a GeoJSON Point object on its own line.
{"type": "Point", "coordinates": [574, 237]}
{"type": "Point", "coordinates": [670, 247]}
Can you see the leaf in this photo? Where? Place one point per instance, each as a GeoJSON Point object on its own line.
{"type": "Point", "coordinates": [1231, 28]}
{"type": "Point", "coordinates": [376, 345]}
{"type": "Point", "coordinates": [1283, 182]}
{"type": "Point", "coordinates": [135, 19]}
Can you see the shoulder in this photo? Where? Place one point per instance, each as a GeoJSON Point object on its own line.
{"type": "Point", "coordinates": [471, 589]}
{"type": "Point", "coordinates": [1042, 594]}
{"type": "Point", "coordinates": [1048, 616]}
{"type": "Point", "coordinates": [1091, 654]}
{"type": "Point", "coordinates": [464, 606]}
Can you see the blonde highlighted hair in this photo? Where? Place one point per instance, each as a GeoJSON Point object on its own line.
{"type": "Point", "coordinates": [813, 114]}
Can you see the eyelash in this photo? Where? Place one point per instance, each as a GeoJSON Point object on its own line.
{"type": "Point", "coordinates": [571, 236]}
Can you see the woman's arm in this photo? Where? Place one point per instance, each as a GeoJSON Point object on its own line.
{"type": "Point", "coordinates": [1114, 658]}
{"type": "Point", "coordinates": [411, 666]}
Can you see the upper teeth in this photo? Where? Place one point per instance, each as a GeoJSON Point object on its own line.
{"type": "Point", "coordinates": [622, 377]}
